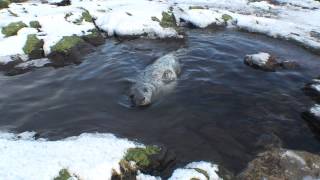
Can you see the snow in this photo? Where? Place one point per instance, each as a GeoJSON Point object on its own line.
{"type": "Point", "coordinates": [315, 110]}
{"type": "Point", "coordinates": [142, 176]}
{"type": "Point", "coordinates": [293, 155]}
{"type": "Point", "coordinates": [189, 171]}
{"type": "Point", "coordinates": [259, 59]}
{"type": "Point", "coordinates": [88, 156]}
{"type": "Point", "coordinates": [34, 63]}
{"type": "Point", "coordinates": [293, 20]}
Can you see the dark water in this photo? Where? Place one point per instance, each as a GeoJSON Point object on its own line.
{"type": "Point", "coordinates": [218, 111]}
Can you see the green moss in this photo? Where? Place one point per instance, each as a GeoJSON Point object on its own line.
{"type": "Point", "coordinates": [63, 175]}
{"type": "Point", "coordinates": [226, 17]}
{"type": "Point", "coordinates": [196, 7]}
{"type": "Point", "coordinates": [4, 4]}
{"type": "Point", "coordinates": [205, 173]}
{"type": "Point", "coordinates": [168, 20]}
{"type": "Point", "coordinates": [87, 16]}
{"type": "Point", "coordinates": [35, 24]}
{"type": "Point", "coordinates": [153, 18]}
{"type": "Point", "coordinates": [66, 43]}
{"type": "Point", "coordinates": [141, 156]}
{"type": "Point", "coordinates": [32, 44]}
{"type": "Point", "coordinates": [13, 28]}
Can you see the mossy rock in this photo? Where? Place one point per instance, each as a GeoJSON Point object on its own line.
{"type": "Point", "coordinates": [94, 37]}
{"type": "Point", "coordinates": [226, 17]}
{"type": "Point", "coordinates": [13, 28]}
{"type": "Point", "coordinates": [35, 24]}
{"type": "Point", "coordinates": [4, 4]}
{"type": "Point", "coordinates": [34, 47]}
{"type": "Point", "coordinates": [168, 20]}
{"type": "Point", "coordinates": [141, 156]}
{"type": "Point", "coordinates": [196, 7]}
{"type": "Point", "coordinates": [87, 16]}
{"type": "Point", "coordinates": [63, 175]}
{"type": "Point", "coordinates": [66, 44]}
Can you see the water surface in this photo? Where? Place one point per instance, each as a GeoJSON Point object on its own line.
{"type": "Point", "coordinates": [218, 111]}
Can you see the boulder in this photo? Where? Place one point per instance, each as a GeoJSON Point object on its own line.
{"type": "Point", "coordinates": [283, 164]}
{"type": "Point", "coordinates": [151, 160]}
{"type": "Point", "coordinates": [34, 47]}
{"type": "Point", "coordinates": [263, 61]}
{"type": "Point", "coordinates": [69, 50]}
{"type": "Point", "coordinates": [13, 28]}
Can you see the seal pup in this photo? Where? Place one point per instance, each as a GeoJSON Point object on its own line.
{"type": "Point", "coordinates": [156, 78]}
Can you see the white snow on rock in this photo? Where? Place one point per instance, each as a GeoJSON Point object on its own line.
{"type": "Point", "coordinates": [36, 63]}
{"type": "Point", "coordinates": [142, 176]}
{"type": "Point", "coordinates": [191, 171]}
{"type": "Point", "coordinates": [259, 59]}
{"type": "Point", "coordinates": [293, 156]}
{"type": "Point", "coordinates": [88, 156]}
{"type": "Point", "coordinates": [315, 110]}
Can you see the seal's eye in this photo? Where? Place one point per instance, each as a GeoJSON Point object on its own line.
{"type": "Point", "coordinates": [145, 90]}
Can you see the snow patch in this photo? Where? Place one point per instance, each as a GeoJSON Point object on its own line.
{"type": "Point", "coordinates": [293, 155]}
{"type": "Point", "coordinates": [89, 156]}
{"type": "Point", "coordinates": [259, 59]}
{"type": "Point", "coordinates": [190, 171]}
{"type": "Point", "coordinates": [315, 110]}
{"type": "Point", "coordinates": [36, 63]}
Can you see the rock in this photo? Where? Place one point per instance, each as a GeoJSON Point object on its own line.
{"type": "Point", "coordinates": [197, 171]}
{"type": "Point", "coordinates": [266, 62]}
{"type": "Point", "coordinates": [312, 116]}
{"type": "Point", "coordinates": [9, 62]}
{"type": "Point", "coordinates": [4, 4]}
{"type": "Point", "coordinates": [263, 61]}
{"type": "Point", "coordinates": [168, 20]}
{"type": "Point", "coordinates": [150, 160]}
{"type": "Point", "coordinates": [13, 28]}
{"type": "Point", "coordinates": [289, 64]}
{"type": "Point", "coordinates": [312, 89]}
{"type": "Point", "coordinates": [34, 47]}
{"type": "Point", "coordinates": [283, 164]}
{"type": "Point", "coordinates": [69, 50]}
{"type": "Point", "coordinates": [62, 3]}
{"type": "Point", "coordinates": [95, 37]}
{"type": "Point", "coordinates": [226, 18]}
{"type": "Point", "coordinates": [65, 175]}
{"type": "Point", "coordinates": [35, 24]}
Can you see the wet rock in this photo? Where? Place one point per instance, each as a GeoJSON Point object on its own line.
{"type": "Point", "coordinates": [263, 61]}
{"type": "Point", "coordinates": [283, 164]}
{"type": "Point", "coordinates": [34, 47]}
{"type": "Point", "coordinates": [312, 89]}
{"type": "Point", "coordinates": [13, 28]}
{"type": "Point", "coordinates": [312, 116]}
{"type": "Point", "coordinates": [95, 37]}
{"type": "Point", "coordinates": [9, 62]}
{"type": "Point", "coordinates": [289, 64]}
{"type": "Point", "coordinates": [267, 62]}
{"type": "Point", "coordinates": [69, 50]}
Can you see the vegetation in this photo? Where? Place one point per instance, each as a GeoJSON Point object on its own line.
{"type": "Point", "coordinates": [226, 17]}
{"type": "Point", "coordinates": [63, 175]}
{"type": "Point", "coordinates": [66, 43]}
{"type": "Point", "coordinates": [32, 44]}
{"type": "Point", "coordinates": [168, 20]}
{"type": "Point", "coordinates": [35, 24]}
{"type": "Point", "coordinates": [141, 156]}
{"type": "Point", "coordinates": [4, 4]}
{"type": "Point", "coordinates": [13, 28]}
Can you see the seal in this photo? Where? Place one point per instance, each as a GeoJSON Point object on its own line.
{"type": "Point", "coordinates": [155, 79]}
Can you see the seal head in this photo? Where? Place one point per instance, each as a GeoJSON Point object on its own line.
{"type": "Point", "coordinates": [141, 94]}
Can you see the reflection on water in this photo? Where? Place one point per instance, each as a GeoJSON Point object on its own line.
{"type": "Point", "coordinates": [218, 110]}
